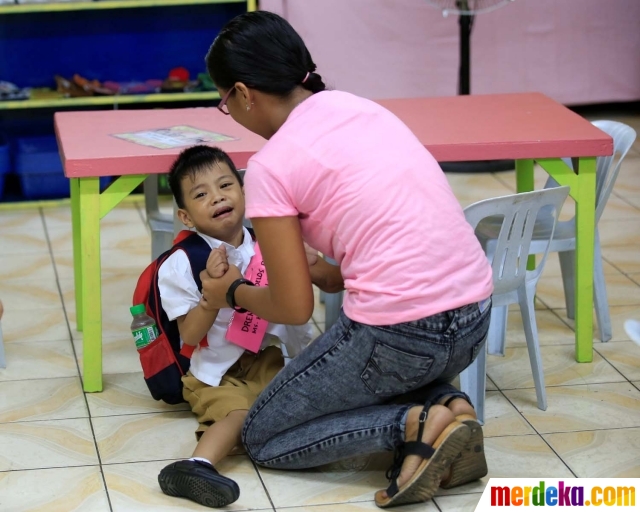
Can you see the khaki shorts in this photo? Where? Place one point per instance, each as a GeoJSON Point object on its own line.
{"type": "Point", "coordinates": [237, 390]}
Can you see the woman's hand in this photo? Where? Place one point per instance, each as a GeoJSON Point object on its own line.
{"type": "Point", "coordinates": [326, 276]}
{"type": "Point", "coordinates": [214, 289]}
{"type": "Point", "coordinates": [312, 254]}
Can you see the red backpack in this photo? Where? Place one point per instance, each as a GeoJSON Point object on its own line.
{"type": "Point", "coordinates": [163, 362]}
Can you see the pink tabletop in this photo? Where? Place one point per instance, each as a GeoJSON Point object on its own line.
{"type": "Point", "coordinates": [459, 128]}
{"type": "Point", "coordinates": [88, 148]}
{"type": "Point", "coordinates": [499, 126]}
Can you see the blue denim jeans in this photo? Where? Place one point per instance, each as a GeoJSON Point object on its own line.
{"type": "Point", "coordinates": [349, 392]}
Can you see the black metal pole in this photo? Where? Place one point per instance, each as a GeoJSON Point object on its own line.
{"type": "Point", "coordinates": [465, 22]}
{"type": "Point", "coordinates": [464, 88]}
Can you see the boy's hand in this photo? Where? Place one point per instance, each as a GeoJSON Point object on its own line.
{"type": "Point", "coordinates": [214, 290]}
{"type": "Point", "coordinates": [312, 255]}
{"type": "Point", "coordinates": [217, 263]}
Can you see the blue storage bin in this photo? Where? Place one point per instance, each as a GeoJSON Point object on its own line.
{"type": "Point", "coordinates": [40, 169]}
{"type": "Point", "coordinates": [5, 163]}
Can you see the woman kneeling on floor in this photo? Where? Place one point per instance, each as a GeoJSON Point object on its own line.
{"type": "Point", "coordinates": [347, 177]}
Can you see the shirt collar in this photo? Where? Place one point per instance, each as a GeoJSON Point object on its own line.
{"type": "Point", "coordinates": [245, 247]}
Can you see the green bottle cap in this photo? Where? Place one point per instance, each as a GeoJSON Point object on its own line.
{"type": "Point", "coordinates": [137, 309]}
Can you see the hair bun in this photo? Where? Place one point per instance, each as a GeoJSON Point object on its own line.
{"type": "Point", "coordinates": [314, 83]}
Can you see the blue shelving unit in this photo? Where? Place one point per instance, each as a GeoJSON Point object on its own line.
{"type": "Point", "coordinates": [120, 40]}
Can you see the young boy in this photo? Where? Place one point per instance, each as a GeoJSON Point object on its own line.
{"type": "Point", "coordinates": [224, 380]}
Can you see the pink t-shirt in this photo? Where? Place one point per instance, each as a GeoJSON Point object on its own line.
{"type": "Point", "coordinates": [370, 196]}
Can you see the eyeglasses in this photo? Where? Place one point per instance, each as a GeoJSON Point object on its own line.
{"type": "Point", "coordinates": [222, 106]}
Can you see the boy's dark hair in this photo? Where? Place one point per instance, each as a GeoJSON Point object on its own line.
{"type": "Point", "coordinates": [194, 160]}
{"type": "Point", "coordinates": [264, 52]}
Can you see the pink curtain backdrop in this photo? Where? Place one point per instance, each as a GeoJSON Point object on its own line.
{"type": "Point", "coordinates": [575, 51]}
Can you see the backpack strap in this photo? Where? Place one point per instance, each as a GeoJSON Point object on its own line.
{"type": "Point", "coordinates": [197, 251]}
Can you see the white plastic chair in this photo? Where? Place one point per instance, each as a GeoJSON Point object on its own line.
{"type": "Point", "coordinates": [564, 239]}
{"type": "Point", "coordinates": [632, 328]}
{"type": "Point", "coordinates": [3, 362]}
{"type": "Point", "coordinates": [163, 226]}
{"type": "Point", "coordinates": [512, 282]}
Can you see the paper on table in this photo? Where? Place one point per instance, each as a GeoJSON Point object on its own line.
{"type": "Point", "coordinates": [173, 137]}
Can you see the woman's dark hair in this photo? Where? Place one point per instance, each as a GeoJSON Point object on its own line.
{"type": "Point", "coordinates": [264, 52]}
{"type": "Point", "coordinates": [192, 161]}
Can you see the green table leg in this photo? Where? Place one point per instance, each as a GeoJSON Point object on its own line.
{"type": "Point", "coordinates": [88, 206]}
{"type": "Point", "coordinates": [75, 226]}
{"type": "Point", "coordinates": [524, 183]}
{"type": "Point", "coordinates": [585, 198]}
{"type": "Point", "coordinates": [90, 310]}
{"type": "Point", "coordinates": [524, 176]}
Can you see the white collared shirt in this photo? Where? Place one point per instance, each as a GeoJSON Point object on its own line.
{"type": "Point", "coordinates": [179, 295]}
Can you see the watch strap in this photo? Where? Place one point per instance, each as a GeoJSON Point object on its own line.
{"type": "Point", "coordinates": [232, 291]}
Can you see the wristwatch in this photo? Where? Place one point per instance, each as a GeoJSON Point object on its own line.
{"type": "Point", "coordinates": [231, 294]}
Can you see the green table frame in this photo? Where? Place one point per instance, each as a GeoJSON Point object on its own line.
{"type": "Point", "coordinates": [88, 206]}
{"type": "Point", "coordinates": [582, 183]}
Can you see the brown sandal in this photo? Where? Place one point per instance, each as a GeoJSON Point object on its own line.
{"type": "Point", "coordinates": [69, 88]}
{"type": "Point", "coordinates": [471, 464]}
{"type": "Point", "coordinates": [438, 458]}
{"type": "Point", "coordinates": [91, 86]}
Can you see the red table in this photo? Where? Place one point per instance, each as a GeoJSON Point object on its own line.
{"type": "Point", "coordinates": [499, 126]}
{"type": "Point", "coordinates": [527, 128]}
{"type": "Point", "coordinates": [524, 127]}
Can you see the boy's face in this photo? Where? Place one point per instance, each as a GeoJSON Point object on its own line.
{"type": "Point", "coordinates": [214, 203]}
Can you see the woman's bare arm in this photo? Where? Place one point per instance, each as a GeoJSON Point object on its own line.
{"type": "Point", "coordinates": [288, 299]}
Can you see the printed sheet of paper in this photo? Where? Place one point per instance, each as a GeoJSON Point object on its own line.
{"type": "Point", "coordinates": [173, 137]}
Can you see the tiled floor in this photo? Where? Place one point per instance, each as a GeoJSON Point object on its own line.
{"type": "Point", "coordinates": [63, 450]}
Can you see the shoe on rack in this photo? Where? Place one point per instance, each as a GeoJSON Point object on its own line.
{"type": "Point", "coordinates": [176, 81]}
{"type": "Point", "coordinates": [93, 86]}
{"type": "Point", "coordinates": [70, 89]}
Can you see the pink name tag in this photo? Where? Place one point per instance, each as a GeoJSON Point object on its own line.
{"type": "Point", "coordinates": [246, 329]}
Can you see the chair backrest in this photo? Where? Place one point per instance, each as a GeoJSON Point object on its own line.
{"type": "Point", "coordinates": [607, 167]}
{"type": "Point", "coordinates": [509, 253]}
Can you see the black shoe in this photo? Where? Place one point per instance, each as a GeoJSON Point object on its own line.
{"type": "Point", "coordinates": [199, 482]}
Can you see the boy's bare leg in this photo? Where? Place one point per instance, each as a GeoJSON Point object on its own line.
{"type": "Point", "coordinates": [221, 437]}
